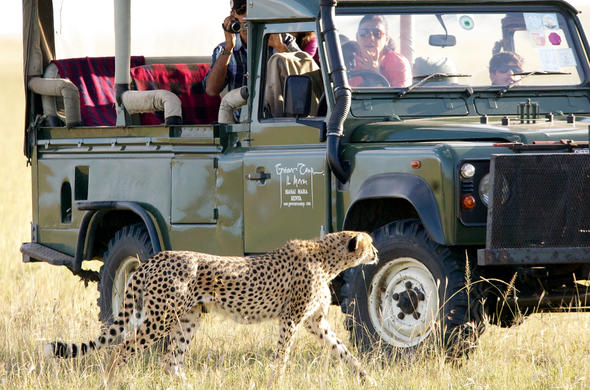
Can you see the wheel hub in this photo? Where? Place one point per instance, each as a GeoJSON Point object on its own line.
{"type": "Point", "coordinates": [408, 301]}
{"type": "Point", "coordinates": [403, 302]}
{"type": "Point", "coordinates": [126, 268]}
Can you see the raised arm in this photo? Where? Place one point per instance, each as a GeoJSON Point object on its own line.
{"type": "Point", "coordinates": [217, 74]}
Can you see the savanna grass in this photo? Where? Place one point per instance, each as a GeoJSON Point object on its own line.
{"type": "Point", "coordinates": [40, 303]}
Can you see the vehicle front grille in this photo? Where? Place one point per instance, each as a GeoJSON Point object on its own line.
{"type": "Point", "coordinates": [539, 201]}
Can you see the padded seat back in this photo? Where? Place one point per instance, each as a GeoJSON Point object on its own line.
{"type": "Point", "coordinates": [95, 78]}
{"type": "Point", "coordinates": [185, 80]}
{"type": "Point", "coordinates": [279, 67]}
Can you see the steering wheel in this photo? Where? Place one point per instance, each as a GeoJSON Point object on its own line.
{"type": "Point", "coordinates": [370, 78]}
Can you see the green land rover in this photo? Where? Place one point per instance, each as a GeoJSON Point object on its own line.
{"type": "Point", "coordinates": [454, 131]}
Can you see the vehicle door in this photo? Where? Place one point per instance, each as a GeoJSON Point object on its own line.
{"type": "Point", "coordinates": [284, 170]}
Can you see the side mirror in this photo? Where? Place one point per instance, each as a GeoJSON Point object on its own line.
{"type": "Point", "coordinates": [442, 40]}
{"type": "Point", "coordinates": [297, 96]}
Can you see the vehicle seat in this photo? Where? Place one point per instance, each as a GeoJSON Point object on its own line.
{"type": "Point", "coordinates": [185, 80]}
{"type": "Point", "coordinates": [281, 65]}
{"type": "Point", "coordinates": [94, 77]}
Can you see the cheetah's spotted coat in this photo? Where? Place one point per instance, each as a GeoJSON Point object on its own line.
{"type": "Point", "coordinates": [169, 292]}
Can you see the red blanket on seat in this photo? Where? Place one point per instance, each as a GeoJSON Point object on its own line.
{"type": "Point", "coordinates": [95, 79]}
{"type": "Point", "coordinates": [185, 80]}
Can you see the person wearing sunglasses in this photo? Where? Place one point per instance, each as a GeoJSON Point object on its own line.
{"type": "Point", "coordinates": [377, 53]}
{"type": "Point", "coordinates": [504, 68]}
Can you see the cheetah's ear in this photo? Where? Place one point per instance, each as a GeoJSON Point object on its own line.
{"type": "Point", "coordinates": [353, 244]}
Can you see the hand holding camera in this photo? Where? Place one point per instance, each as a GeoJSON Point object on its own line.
{"type": "Point", "coordinates": [230, 36]}
{"type": "Point", "coordinates": [234, 27]}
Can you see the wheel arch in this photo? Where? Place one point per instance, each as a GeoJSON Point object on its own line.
{"type": "Point", "coordinates": [103, 219]}
{"type": "Point", "coordinates": [394, 196]}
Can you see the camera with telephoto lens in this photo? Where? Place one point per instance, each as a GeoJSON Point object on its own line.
{"type": "Point", "coordinates": [235, 26]}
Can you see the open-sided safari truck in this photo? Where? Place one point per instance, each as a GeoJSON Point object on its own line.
{"type": "Point", "coordinates": [476, 194]}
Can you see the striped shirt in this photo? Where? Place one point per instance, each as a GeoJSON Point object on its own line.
{"type": "Point", "coordinates": [236, 69]}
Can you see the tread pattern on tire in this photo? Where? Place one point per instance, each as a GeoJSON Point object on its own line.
{"type": "Point", "coordinates": [464, 326]}
{"type": "Point", "coordinates": [136, 234]}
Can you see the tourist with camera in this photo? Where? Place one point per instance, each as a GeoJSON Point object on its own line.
{"type": "Point", "coordinates": [228, 63]}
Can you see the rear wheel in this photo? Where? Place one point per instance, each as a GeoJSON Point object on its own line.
{"type": "Point", "coordinates": [415, 294]}
{"type": "Point", "coordinates": [130, 247]}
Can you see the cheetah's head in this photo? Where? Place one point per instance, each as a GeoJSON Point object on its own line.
{"type": "Point", "coordinates": [353, 248]}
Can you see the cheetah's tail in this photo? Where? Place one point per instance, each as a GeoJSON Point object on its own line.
{"type": "Point", "coordinates": [64, 350]}
{"type": "Point", "coordinates": [110, 335]}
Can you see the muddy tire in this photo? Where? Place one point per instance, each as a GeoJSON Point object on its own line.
{"type": "Point", "coordinates": [414, 296]}
{"type": "Point", "coordinates": [130, 247]}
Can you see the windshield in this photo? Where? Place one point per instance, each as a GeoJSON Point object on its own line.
{"type": "Point", "coordinates": [459, 49]}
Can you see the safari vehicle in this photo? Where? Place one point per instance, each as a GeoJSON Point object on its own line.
{"type": "Point", "coordinates": [476, 194]}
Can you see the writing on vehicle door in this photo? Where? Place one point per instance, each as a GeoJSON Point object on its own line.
{"type": "Point", "coordinates": [296, 184]}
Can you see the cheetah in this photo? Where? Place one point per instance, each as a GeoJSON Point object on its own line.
{"type": "Point", "coordinates": [167, 295]}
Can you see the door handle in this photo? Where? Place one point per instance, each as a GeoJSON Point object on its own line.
{"type": "Point", "coordinates": [258, 176]}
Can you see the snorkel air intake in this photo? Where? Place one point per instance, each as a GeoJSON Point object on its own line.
{"type": "Point", "coordinates": [342, 94]}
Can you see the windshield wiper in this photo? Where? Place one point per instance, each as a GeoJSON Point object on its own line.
{"type": "Point", "coordinates": [424, 79]}
{"type": "Point", "coordinates": [527, 74]}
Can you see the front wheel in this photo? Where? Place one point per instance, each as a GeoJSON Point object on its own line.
{"type": "Point", "coordinates": [417, 293]}
{"type": "Point", "coordinates": [130, 247]}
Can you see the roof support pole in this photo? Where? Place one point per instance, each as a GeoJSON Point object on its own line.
{"type": "Point", "coordinates": [407, 37]}
{"type": "Point", "coordinates": [122, 54]}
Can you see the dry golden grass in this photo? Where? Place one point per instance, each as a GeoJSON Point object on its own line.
{"type": "Point", "coordinates": [40, 303]}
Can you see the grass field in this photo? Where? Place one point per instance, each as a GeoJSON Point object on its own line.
{"type": "Point", "coordinates": [39, 303]}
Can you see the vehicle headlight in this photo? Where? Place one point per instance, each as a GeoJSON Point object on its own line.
{"type": "Point", "coordinates": [467, 171]}
{"type": "Point", "coordinates": [484, 189]}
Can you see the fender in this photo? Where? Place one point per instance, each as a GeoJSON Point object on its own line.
{"type": "Point", "coordinates": [406, 186]}
{"type": "Point", "coordinates": [93, 207]}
